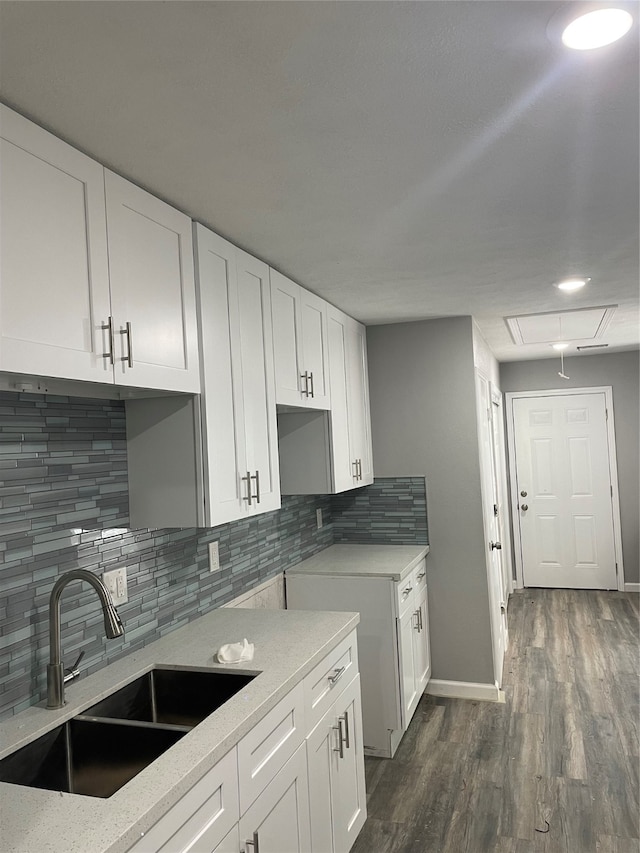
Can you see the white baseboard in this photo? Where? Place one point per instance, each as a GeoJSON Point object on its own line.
{"type": "Point", "coordinates": [464, 690]}
{"type": "Point", "coordinates": [632, 587]}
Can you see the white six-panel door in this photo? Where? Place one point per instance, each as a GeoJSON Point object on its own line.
{"type": "Point", "coordinates": [565, 492]}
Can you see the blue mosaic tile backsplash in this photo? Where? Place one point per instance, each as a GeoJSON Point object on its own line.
{"type": "Point", "coordinates": [391, 511]}
{"type": "Point", "coordinates": [64, 504]}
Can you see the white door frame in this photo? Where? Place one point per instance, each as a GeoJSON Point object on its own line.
{"type": "Point", "coordinates": [613, 470]}
{"type": "Point", "coordinates": [500, 458]}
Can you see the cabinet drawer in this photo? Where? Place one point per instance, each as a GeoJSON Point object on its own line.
{"type": "Point", "coordinates": [328, 679]}
{"type": "Point", "coordinates": [202, 818]}
{"type": "Point", "coordinates": [419, 576]}
{"type": "Point", "coordinates": [269, 745]}
{"type": "Point", "coordinates": [405, 594]}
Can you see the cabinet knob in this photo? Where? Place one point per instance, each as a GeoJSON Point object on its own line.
{"type": "Point", "coordinates": [525, 507]}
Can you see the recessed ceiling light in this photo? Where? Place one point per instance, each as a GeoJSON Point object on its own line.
{"type": "Point", "coordinates": [597, 28]}
{"type": "Point", "coordinates": [560, 346]}
{"type": "Point", "coordinates": [571, 284]}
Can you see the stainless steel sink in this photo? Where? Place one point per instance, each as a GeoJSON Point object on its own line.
{"type": "Point", "coordinates": [100, 750]}
{"type": "Point", "coordinates": [87, 757]}
{"type": "Point", "coordinates": [171, 696]}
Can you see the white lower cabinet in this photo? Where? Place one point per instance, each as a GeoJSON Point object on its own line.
{"type": "Point", "coordinates": [278, 821]}
{"type": "Point", "coordinates": [291, 785]}
{"type": "Point", "coordinates": [202, 820]}
{"type": "Point", "coordinates": [336, 774]}
{"type": "Point", "coordinates": [393, 642]}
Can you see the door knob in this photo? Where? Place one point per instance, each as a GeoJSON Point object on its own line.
{"type": "Point", "coordinates": [495, 546]}
{"type": "Point", "coordinates": [524, 506]}
{"type": "Point", "coordinates": [523, 494]}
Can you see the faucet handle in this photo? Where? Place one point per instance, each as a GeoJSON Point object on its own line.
{"type": "Point", "coordinates": [73, 672]}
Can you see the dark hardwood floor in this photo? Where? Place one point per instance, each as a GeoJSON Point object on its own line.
{"type": "Point", "coordinates": [561, 754]}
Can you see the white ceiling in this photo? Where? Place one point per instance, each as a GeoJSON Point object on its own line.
{"type": "Point", "coordinates": [404, 160]}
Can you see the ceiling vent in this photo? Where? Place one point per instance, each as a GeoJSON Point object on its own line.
{"type": "Point", "coordinates": [582, 324]}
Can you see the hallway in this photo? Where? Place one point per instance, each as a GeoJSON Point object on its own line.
{"type": "Point", "coordinates": [561, 754]}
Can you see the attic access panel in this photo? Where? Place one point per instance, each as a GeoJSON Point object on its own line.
{"type": "Point", "coordinates": [582, 324]}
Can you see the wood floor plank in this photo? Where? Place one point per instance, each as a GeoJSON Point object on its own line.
{"type": "Point", "coordinates": [477, 777]}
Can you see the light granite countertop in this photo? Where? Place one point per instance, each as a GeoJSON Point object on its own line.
{"type": "Point", "coordinates": [288, 644]}
{"type": "Point", "coordinates": [389, 561]}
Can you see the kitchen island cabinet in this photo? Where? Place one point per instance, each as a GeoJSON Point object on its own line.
{"type": "Point", "coordinates": [387, 584]}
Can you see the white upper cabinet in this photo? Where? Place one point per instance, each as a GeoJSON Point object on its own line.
{"type": "Point", "coordinates": [326, 453]}
{"type": "Point", "coordinates": [300, 345]}
{"type": "Point", "coordinates": [54, 284]}
{"type": "Point", "coordinates": [106, 296]}
{"type": "Point", "coordinates": [152, 290]}
{"type": "Point", "coordinates": [350, 415]}
{"type": "Point", "coordinates": [238, 408]}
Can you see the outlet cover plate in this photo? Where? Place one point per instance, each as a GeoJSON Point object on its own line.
{"type": "Point", "coordinates": [116, 582]}
{"type": "Point", "coordinates": [214, 557]}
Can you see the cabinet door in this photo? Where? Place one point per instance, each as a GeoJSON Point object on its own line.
{"type": "Point", "coordinates": [348, 794]}
{"type": "Point", "coordinates": [229, 844]}
{"type": "Point", "coordinates": [407, 627]}
{"type": "Point", "coordinates": [322, 746]}
{"type": "Point", "coordinates": [358, 395]}
{"type": "Point", "coordinates": [257, 380]}
{"type": "Point", "coordinates": [285, 312]}
{"type": "Point", "coordinates": [203, 820]}
{"type": "Point", "coordinates": [422, 650]}
{"type": "Point", "coordinates": [54, 296]}
{"type": "Point", "coordinates": [344, 465]}
{"type": "Point", "coordinates": [152, 290]}
{"type": "Point", "coordinates": [278, 821]}
{"type": "Point", "coordinates": [314, 358]}
{"type": "Point", "coordinates": [222, 404]}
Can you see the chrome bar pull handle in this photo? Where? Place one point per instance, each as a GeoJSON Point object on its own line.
{"type": "Point", "coordinates": [253, 842]}
{"type": "Point", "coordinates": [354, 464]}
{"type": "Point", "coordinates": [338, 729]}
{"type": "Point", "coordinates": [256, 477]}
{"type": "Point", "coordinates": [420, 576]}
{"type": "Point", "coordinates": [129, 356]}
{"type": "Point", "coordinates": [336, 675]}
{"type": "Point", "coordinates": [111, 355]}
{"type": "Point", "coordinates": [247, 480]}
{"type": "Point", "coordinates": [420, 623]}
{"type": "Point", "coordinates": [359, 469]}
{"type": "Point", "coordinates": [406, 591]}
{"type": "Point", "coordinates": [305, 376]}
{"type": "Point", "coordinates": [345, 717]}
{"type": "Point", "coordinates": [312, 392]}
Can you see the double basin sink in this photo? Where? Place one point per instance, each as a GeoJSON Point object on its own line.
{"type": "Point", "coordinates": [100, 750]}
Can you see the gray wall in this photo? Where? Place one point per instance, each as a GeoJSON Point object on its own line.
{"type": "Point", "coordinates": [620, 370]}
{"type": "Point", "coordinates": [423, 412]}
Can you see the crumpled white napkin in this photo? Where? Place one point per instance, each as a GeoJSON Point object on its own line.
{"type": "Point", "coordinates": [235, 652]}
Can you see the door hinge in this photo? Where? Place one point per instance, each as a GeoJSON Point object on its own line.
{"type": "Point", "coordinates": [606, 414]}
{"type": "Point", "coordinates": [495, 509]}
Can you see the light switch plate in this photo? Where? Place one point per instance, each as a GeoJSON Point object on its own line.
{"type": "Point", "coordinates": [214, 557]}
{"type": "Point", "coordinates": [116, 582]}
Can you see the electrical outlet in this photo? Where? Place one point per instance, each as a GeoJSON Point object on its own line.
{"type": "Point", "coordinates": [116, 582]}
{"type": "Point", "coordinates": [214, 557]}
{"type": "Point", "coordinates": [319, 518]}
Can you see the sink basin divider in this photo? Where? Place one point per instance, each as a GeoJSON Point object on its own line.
{"type": "Point", "coordinates": [140, 724]}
